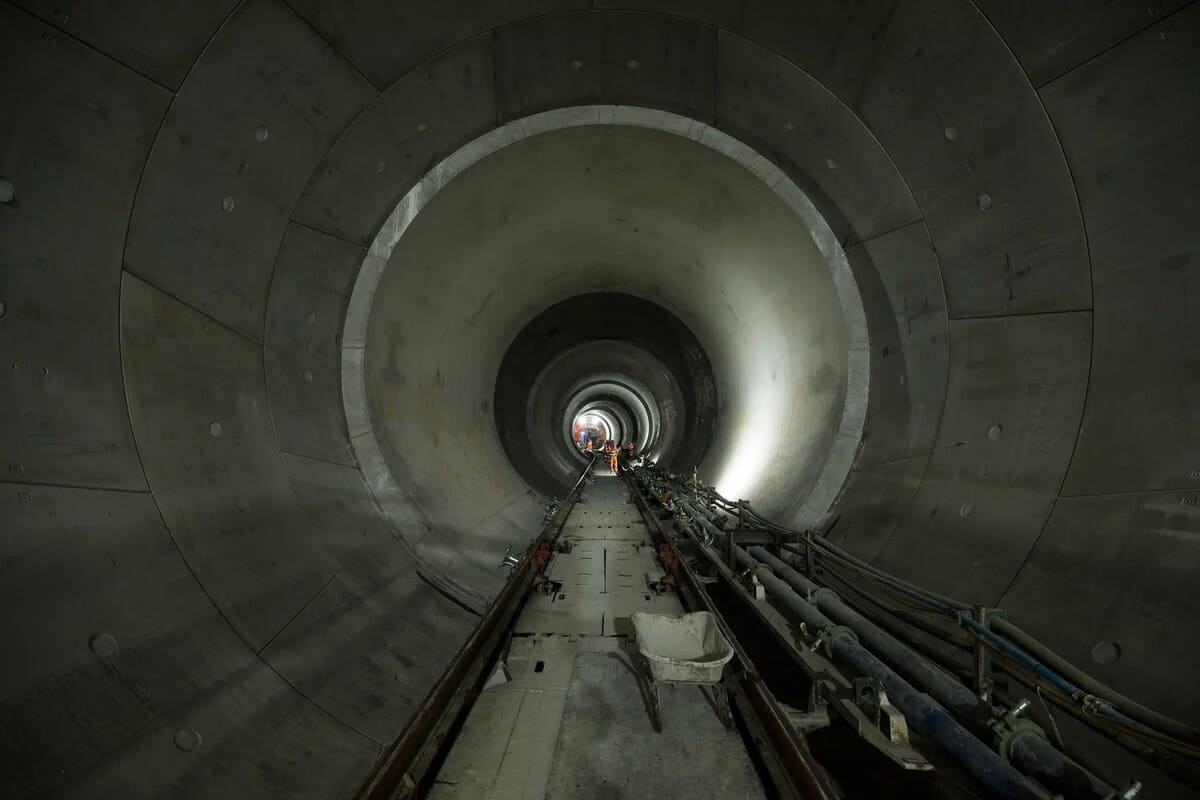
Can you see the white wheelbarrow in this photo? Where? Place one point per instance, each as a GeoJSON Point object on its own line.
{"type": "Point", "coordinates": [683, 650]}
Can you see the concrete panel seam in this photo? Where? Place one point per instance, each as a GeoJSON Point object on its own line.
{"type": "Point", "coordinates": [1095, 56]}
{"type": "Point", "coordinates": [303, 608]}
{"type": "Point", "coordinates": [52, 485]}
{"type": "Point", "coordinates": [716, 76]}
{"type": "Point", "coordinates": [320, 707]}
{"type": "Point", "coordinates": [293, 221]}
{"type": "Point", "coordinates": [1135, 492]}
{"type": "Point", "coordinates": [475, 612]}
{"type": "Point", "coordinates": [200, 585]}
{"type": "Point", "coordinates": [851, 109]}
{"type": "Point", "coordinates": [128, 271]}
{"type": "Point", "coordinates": [1019, 314]}
{"type": "Point", "coordinates": [330, 45]}
{"type": "Point", "coordinates": [92, 47]}
{"type": "Point", "coordinates": [909, 457]}
{"type": "Point", "coordinates": [1087, 247]}
{"type": "Point", "coordinates": [941, 413]}
{"type": "Point", "coordinates": [491, 34]}
{"type": "Point", "coordinates": [870, 70]}
{"type": "Point", "coordinates": [1029, 553]}
{"type": "Point", "coordinates": [877, 236]}
{"type": "Point", "coordinates": [1062, 151]}
{"type": "Point", "coordinates": [217, 32]}
{"type": "Point", "coordinates": [318, 458]}
{"type": "Point", "coordinates": [275, 262]}
{"type": "Point", "coordinates": [630, 12]}
{"type": "Point", "coordinates": [353, 122]}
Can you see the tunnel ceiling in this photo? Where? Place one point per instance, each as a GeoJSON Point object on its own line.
{"type": "Point", "coordinates": [221, 582]}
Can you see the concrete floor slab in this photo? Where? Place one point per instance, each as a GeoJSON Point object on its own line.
{"type": "Point", "coordinates": [532, 737]}
{"type": "Point", "coordinates": [606, 748]}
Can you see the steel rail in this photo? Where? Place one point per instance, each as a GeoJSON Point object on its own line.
{"type": "Point", "coordinates": [400, 771]}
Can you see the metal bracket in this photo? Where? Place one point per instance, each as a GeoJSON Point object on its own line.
{"type": "Point", "coordinates": [1007, 728]}
{"type": "Point", "coordinates": [873, 701]}
{"type": "Point", "coordinates": [509, 559]}
{"type": "Point", "coordinates": [838, 690]}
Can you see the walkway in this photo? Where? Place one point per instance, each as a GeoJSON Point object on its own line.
{"type": "Point", "coordinates": [570, 723]}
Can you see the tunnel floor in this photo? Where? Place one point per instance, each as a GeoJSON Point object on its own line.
{"type": "Point", "coordinates": [571, 720]}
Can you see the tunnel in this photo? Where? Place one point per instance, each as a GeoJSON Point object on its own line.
{"type": "Point", "coordinates": [301, 303]}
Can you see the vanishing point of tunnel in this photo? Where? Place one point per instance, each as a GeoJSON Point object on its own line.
{"type": "Point", "coordinates": [314, 312]}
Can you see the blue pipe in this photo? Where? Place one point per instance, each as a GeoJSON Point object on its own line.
{"type": "Point", "coordinates": [999, 778]}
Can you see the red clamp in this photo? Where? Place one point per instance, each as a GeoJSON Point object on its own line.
{"type": "Point", "coordinates": [541, 555]}
{"type": "Point", "coordinates": [668, 558]}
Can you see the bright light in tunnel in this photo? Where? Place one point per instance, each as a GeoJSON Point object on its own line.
{"type": "Point", "coordinates": [590, 421]}
{"type": "Point", "coordinates": [759, 423]}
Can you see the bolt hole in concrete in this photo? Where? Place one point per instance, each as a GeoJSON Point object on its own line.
{"type": "Point", "coordinates": [7, 192]}
{"type": "Point", "coordinates": [951, 132]}
{"type": "Point", "coordinates": [215, 429]}
{"type": "Point", "coordinates": [1106, 652]}
{"type": "Point", "coordinates": [966, 509]}
{"type": "Point", "coordinates": [227, 204]}
{"type": "Point", "coordinates": [995, 433]}
{"type": "Point", "coordinates": [262, 133]}
{"type": "Point", "coordinates": [188, 739]}
{"type": "Point", "coordinates": [104, 645]}
{"type": "Point", "coordinates": [3, 308]}
{"type": "Point", "coordinates": [539, 666]}
{"type": "Point", "coordinates": [985, 202]}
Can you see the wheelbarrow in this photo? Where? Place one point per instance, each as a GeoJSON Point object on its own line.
{"type": "Point", "coordinates": [683, 650]}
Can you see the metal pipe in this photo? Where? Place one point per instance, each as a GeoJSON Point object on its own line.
{"type": "Point", "coordinates": [1037, 756]}
{"type": "Point", "coordinates": [1124, 705]}
{"type": "Point", "coordinates": [1045, 764]}
{"type": "Point", "coordinates": [1135, 710]}
{"type": "Point", "coordinates": [1030, 753]}
{"type": "Point", "coordinates": [804, 772]}
{"type": "Point", "coordinates": [1178, 768]}
{"type": "Point", "coordinates": [789, 586]}
{"type": "Point", "coordinates": [925, 715]}
{"type": "Point", "coordinates": [945, 688]}
{"type": "Point", "coordinates": [1026, 650]}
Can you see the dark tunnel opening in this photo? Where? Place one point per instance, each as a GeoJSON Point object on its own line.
{"type": "Point", "coordinates": [610, 351]}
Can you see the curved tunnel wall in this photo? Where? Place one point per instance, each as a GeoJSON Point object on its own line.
{"type": "Point", "coordinates": [565, 204]}
{"type": "Point", "coordinates": [189, 544]}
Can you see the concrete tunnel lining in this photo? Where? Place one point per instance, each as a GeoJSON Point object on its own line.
{"type": "Point", "coordinates": [602, 339]}
{"type": "Point", "coordinates": [132, 128]}
{"type": "Point", "coordinates": [770, 374]}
